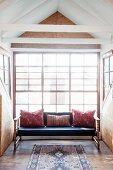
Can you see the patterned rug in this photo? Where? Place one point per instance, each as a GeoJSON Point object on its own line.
{"type": "Point", "coordinates": [58, 157]}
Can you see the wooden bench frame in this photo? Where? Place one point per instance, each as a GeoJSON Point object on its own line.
{"type": "Point", "coordinates": [17, 138]}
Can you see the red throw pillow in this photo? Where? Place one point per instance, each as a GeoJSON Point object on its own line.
{"type": "Point", "coordinates": [83, 119]}
{"type": "Point", "coordinates": [55, 120]}
{"type": "Point", "coordinates": [31, 119]}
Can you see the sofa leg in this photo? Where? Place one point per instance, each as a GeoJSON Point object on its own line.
{"type": "Point", "coordinates": [16, 142]}
{"type": "Point", "coordinates": [97, 142]}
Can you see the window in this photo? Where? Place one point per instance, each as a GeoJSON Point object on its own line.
{"type": "Point", "coordinates": [56, 81]}
{"type": "Point", "coordinates": [5, 70]}
{"type": "Point", "coordinates": [108, 73]}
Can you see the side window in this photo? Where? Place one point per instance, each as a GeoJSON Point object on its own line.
{"type": "Point", "coordinates": [107, 73]}
{"type": "Point", "coordinates": [5, 70]}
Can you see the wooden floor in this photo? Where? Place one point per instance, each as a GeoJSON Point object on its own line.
{"type": "Point", "coordinates": [100, 160]}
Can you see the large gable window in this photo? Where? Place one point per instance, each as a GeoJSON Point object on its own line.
{"type": "Point", "coordinates": [56, 81]}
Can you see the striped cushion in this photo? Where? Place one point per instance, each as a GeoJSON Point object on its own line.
{"type": "Point", "coordinates": [55, 120]}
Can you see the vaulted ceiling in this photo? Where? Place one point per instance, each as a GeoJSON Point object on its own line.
{"type": "Point", "coordinates": [97, 13]}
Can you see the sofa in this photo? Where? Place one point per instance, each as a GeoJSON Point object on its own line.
{"type": "Point", "coordinates": [55, 124]}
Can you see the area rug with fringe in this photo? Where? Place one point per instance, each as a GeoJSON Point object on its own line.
{"type": "Point", "coordinates": [58, 157]}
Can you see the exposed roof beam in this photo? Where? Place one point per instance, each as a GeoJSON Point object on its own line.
{"type": "Point", "coordinates": [57, 40]}
{"type": "Point", "coordinates": [55, 28]}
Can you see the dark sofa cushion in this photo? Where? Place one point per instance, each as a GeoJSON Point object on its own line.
{"type": "Point", "coordinates": [56, 131]}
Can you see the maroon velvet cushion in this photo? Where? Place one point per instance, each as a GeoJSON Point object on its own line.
{"type": "Point", "coordinates": [55, 120]}
{"type": "Point", "coordinates": [31, 119]}
{"type": "Point", "coordinates": [83, 119]}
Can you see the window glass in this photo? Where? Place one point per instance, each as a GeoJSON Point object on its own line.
{"type": "Point", "coordinates": [90, 60]}
{"type": "Point", "coordinates": [56, 81]}
{"type": "Point", "coordinates": [21, 60]}
{"type": "Point", "coordinates": [77, 59]}
{"type": "Point", "coordinates": [5, 71]}
{"type": "Point", "coordinates": [108, 74]}
{"type": "Point", "coordinates": [35, 59]}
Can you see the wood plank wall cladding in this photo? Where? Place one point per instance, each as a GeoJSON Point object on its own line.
{"type": "Point", "coordinates": [107, 121]}
{"type": "Point", "coordinates": [6, 120]}
{"type": "Point", "coordinates": [56, 19]}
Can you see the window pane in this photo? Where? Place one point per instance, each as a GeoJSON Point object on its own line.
{"type": "Point", "coordinates": [90, 107]}
{"type": "Point", "coordinates": [106, 90]}
{"type": "Point", "coordinates": [111, 77]}
{"type": "Point", "coordinates": [35, 59]}
{"type": "Point", "coordinates": [1, 61]}
{"type": "Point", "coordinates": [90, 88]}
{"type": "Point", "coordinates": [49, 75]}
{"type": "Point", "coordinates": [35, 98]}
{"type": "Point", "coordinates": [106, 79]}
{"type": "Point", "coordinates": [62, 87]}
{"type": "Point", "coordinates": [77, 81]}
{"type": "Point", "coordinates": [22, 88]}
{"type": "Point", "coordinates": [62, 108]}
{"type": "Point", "coordinates": [63, 98]}
{"type": "Point", "coordinates": [49, 69]}
{"type": "Point", "coordinates": [62, 59]}
{"type": "Point", "coordinates": [90, 82]}
{"type": "Point", "coordinates": [90, 69]}
{"type": "Point", "coordinates": [49, 87]}
{"type": "Point", "coordinates": [49, 98]}
{"type": "Point", "coordinates": [90, 59]}
{"type": "Point", "coordinates": [21, 59]}
{"type": "Point", "coordinates": [90, 98]}
{"type": "Point", "coordinates": [50, 108]}
{"type": "Point", "coordinates": [6, 62]}
{"type": "Point", "coordinates": [111, 63]}
{"type": "Point", "coordinates": [63, 75]}
{"type": "Point", "coordinates": [21, 69]}
{"type": "Point", "coordinates": [77, 87]}
{"type": "Point", "coordinates": [22, 75]}
{"type": "Point", "coordinates": [63, 69]}
{"type": "Point", "coordinates": [6, 77]}
{"type": "Point", "coordinates": [49, 84]}
{"type": "Point", "coordinates": [1, 75]}
{"type": "Point", "coordinates": [35, 69]}
{"type": "Point", "coordinates": [22, 81]}
{"type": "Point", "coordinates": [90, 75]}
{"type": "Point", "coordinates": [50, 81]}
{"type": "Point", "coordinates": [33, 108]}
{"type": "Point", "coordinates": [77, 75]}
{"type": "Point", "coordinates": [35, 88]}
{"type": "Point", "coordinates": [77, 59]}
{"type": "Point", "coordinates": [76, 98]}
{"type": "Point", "coordinates": [34, 75]}
{"type": "Point", "coordinates": [77, 69]}
{"type": "Point", "coordinates": [34, 82]}
{"type": "Point", "coordinates": [21, 107]}
{"type": "Point", "coordinates": [49, 59]}
{"type": "Point", "coordinates": [22, 98]}
{"type": "Point", "coordinates": [77, 107]}
{"type": "Point", "coordinates": [106, 65]}
{"type": "Point", "coordinates": [63, 81]}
